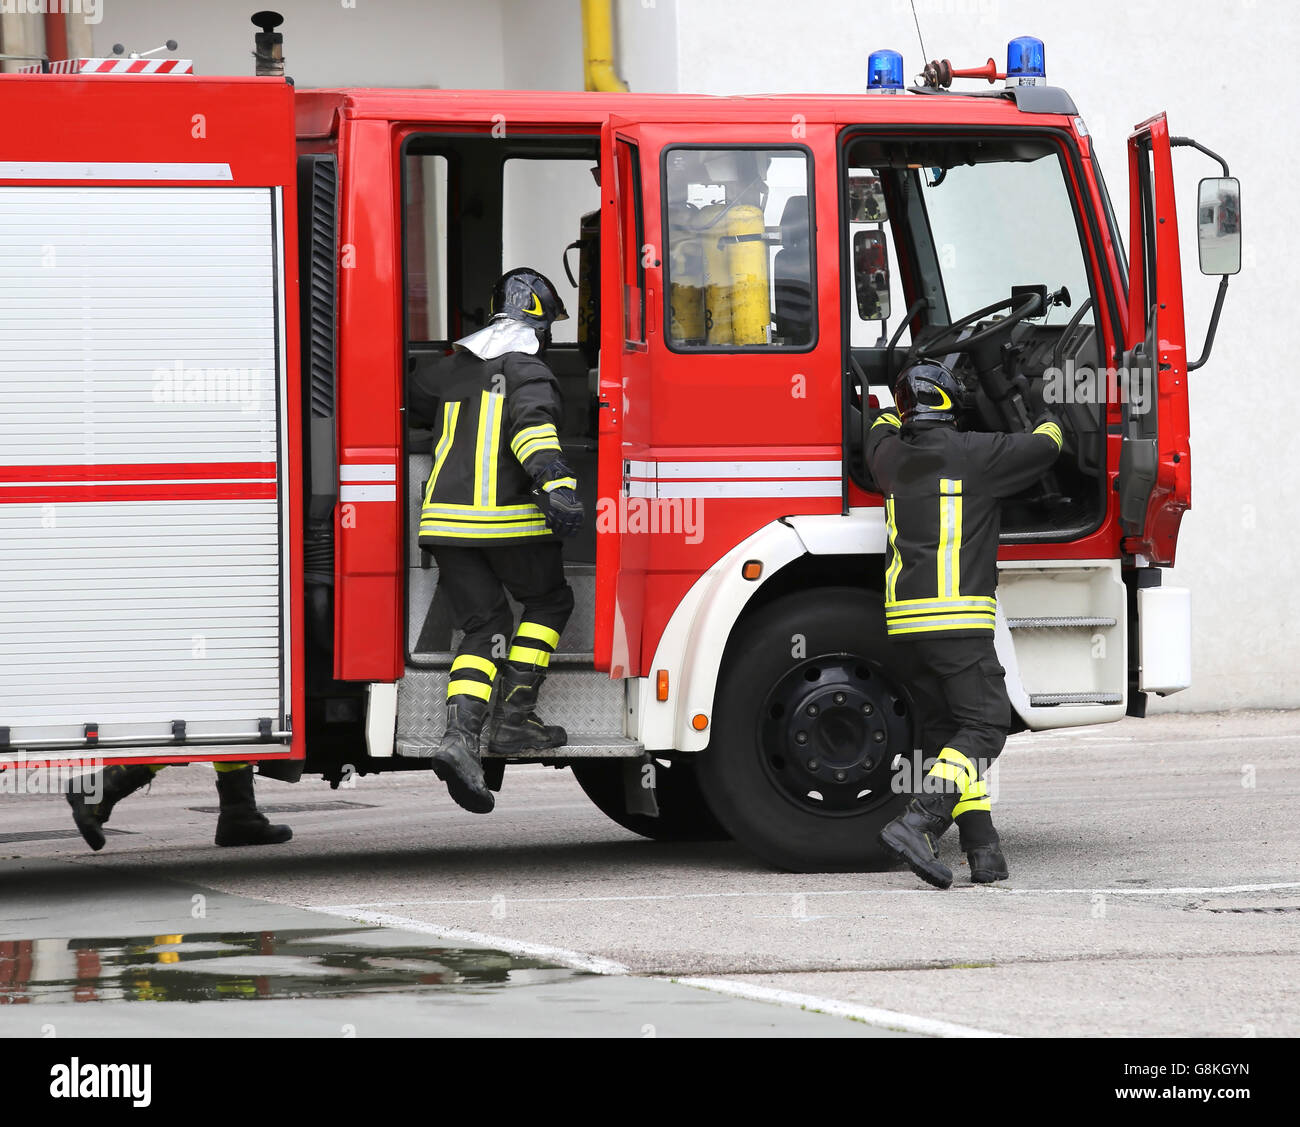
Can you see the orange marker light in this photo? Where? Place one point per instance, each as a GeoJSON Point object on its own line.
{"type": "Point", "coordinates": [699, 721]}
{"type": "Point", "coordinates": [752, 569]}
{"type": "Point", "coordinates": [661, 685]}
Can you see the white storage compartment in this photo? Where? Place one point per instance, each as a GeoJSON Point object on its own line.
{"type": "Point", "coordinates": [142, 465]}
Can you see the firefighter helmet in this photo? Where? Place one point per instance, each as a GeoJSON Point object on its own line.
{"type": "Point", "coordinates": [525, 295]}
{"type": "Point", "coordinates": [928, 392]}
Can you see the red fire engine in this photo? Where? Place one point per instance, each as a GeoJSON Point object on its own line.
{"type": "Point", "coordinates": [214, 289]}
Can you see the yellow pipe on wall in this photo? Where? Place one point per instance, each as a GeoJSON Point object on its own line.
{"type": "Point", "coordinates": [598, 47]}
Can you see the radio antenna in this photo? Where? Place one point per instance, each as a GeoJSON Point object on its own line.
{"type": "Point", "coordinates": [917, 21]}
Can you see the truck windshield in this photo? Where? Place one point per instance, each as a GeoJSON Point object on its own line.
{"type": "Point", "coordinates": [1001, 224]}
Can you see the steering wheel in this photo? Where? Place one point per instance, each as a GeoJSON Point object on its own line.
{"type": "Point", "coordinates": [945, 337]}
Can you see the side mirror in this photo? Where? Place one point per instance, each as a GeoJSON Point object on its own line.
{"type": "Point", "coordinates": [866, 200]}
{"type": "Point", "coordinates": [1218, 225]}
{"type": "Point", "coordinates": [871, 275]}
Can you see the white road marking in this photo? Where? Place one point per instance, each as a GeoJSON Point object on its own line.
{"type": "Point", "coordinates": [889, 1019]}
{"type": "Point", "coordinates": [575, 959]}
{"type": "Point", "coordinates": [343, 909]}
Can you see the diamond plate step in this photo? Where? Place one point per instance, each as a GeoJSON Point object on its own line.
{"type": "Point", "coordinates": [580, 700]}
{"type": "Point", "coordinates": [580, 746]}
{"type": "Point", "coordinates": [1047, 623]}
{"type": "Point", "coordinates": [1039, 700]}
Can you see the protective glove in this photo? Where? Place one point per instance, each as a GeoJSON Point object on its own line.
{"type": "Point", "coordinates": [557, 497]}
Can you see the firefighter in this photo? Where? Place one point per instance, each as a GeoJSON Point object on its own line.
{"type": "Point", "coordinates": [238, 823]}
{"type": "Point", "coordinates": [498, 497]}
{"type": "Point", "coordinates": [941, 489]}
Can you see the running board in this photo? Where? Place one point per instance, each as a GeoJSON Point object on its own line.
{"type": "Point", "coordinates": [1044, 623]}
{"type": "Point", "coordinates": [1044, 700]}
{"type": "Point", "coordinates": [580, 746]}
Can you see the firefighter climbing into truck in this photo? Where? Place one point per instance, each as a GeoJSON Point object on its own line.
{"type": "Point", "coordinates": [259, 589]}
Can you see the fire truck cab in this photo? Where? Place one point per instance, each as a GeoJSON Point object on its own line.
{"type": "Point", "coordinates": [745, 274]}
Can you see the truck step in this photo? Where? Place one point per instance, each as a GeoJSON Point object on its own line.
{"type": "Point", "coordinates": [580, 700]}
{"type": "Point", "coordinates": [580, 746]}
{"type": "Point", "coordinates": [1048, 623]}
{"type": "Point", "coordinates": [1043, 700]}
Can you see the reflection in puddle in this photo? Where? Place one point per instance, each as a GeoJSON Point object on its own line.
{"type": "Point", "coordinates": [215, 966]}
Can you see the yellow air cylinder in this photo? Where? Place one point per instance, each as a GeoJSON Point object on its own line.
{"type": "Point", "coordinates": [686, 296]}
{"type": "Point", "coordinates": [711, 223]}
{"type": "Point", "coordinates": [747, 263]}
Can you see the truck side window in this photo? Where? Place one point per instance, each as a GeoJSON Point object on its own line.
{"type": "Point", "coordinates": [739, 262]}
{"type": "Point", "coordinates": [631, 239]}
{"type": "Point", "coordinates": [426, 247]}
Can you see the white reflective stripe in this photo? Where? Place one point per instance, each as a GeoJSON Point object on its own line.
{"type": "Point", "coordinates": [357, 472]}
{"type": "Point", "coordinates": [708, 469]}
{"type": "Point", "coordinates": [367, 492]}
{"type": "Point", "coordinates": [746, 489]}
{"type": "Point", "coordinates": [109, 170]}
{"type": "Point", "coordinates": [641, 469]}
{"type": "Point", "coordinates": [643, 489]}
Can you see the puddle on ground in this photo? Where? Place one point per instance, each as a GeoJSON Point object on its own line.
{"type": "Point", "coordinates": [244, 966]}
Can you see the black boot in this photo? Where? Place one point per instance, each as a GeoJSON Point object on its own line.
{"type": "Point", "coordinates": [987, 863]}
{"type": "Point", "coordinates": [457, 762]}
{"type": "Point", "coordinates": [515, 727]}
{"type": "Point", "coordinates": [114, 784]}
{"type": "Point", "coordinates": [240, 822]}
{"type": "Point", "coordinates": [913, 834]}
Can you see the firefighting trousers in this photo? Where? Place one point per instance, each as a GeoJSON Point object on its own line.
{"type": "Point", "coordinates": [963, 712]}
{"type": "Point", "coordinates": [475, 581]}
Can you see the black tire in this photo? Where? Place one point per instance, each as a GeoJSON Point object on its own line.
{"type": "Point", "coordinates": [683, 813]}
{"type": "Point", "coordinates": [815, 806]}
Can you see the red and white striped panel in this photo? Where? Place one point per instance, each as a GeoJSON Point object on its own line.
{"type": "Point", "coordinates": [114, 66]}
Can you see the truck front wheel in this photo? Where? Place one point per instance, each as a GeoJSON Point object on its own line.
{"type": "Point", "coordinates": [808, 720]}
{"type": "Point", "coordinates": [683, 813]}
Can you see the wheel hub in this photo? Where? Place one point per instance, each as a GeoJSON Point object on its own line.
{"type": "Point", "coordinates": [829, 731]}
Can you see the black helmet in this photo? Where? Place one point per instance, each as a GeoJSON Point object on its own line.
{"type": "Point", "coordinates": [525, 295]}
{"type": "Point", "coordinates": [928, 392]}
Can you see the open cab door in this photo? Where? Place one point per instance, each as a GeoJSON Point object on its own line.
{"type": "Point", "coordinates": [1155, 468]}
{"type": "Point", "coordinates": [623, 381]}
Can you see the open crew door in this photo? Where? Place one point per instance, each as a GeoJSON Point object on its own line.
{"type": "Point", "coordinates": [144, 510]}
{"type": "Point", "coordinates": [628, 186]}
{"type": "Point", "coordinates": [1155, 470]}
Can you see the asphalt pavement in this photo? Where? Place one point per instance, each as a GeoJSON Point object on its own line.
{"type": "Point", "coordinates": [1155, 890]}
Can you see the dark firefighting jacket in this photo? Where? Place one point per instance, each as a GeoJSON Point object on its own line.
{"type": "Point", "coordinates": [941, 489]}
{"type": "Point", "coordinates": [495, 422]}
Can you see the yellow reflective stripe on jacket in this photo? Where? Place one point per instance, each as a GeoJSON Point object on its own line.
{"type": "Point", "coordinates": [473, 661]}
{"type": "Point", "coordinates": [933, 625]}
{"type": "Point", "coordinates": [539, 633]}
{"type": "Point", "coordinates": [450, 416]}
{"type": "Point", "coordinates": [531, 440]}
{"type": "Point", "coordinates": [1051, 430]}
{"type": "Point", "coordinates": [888, 420]}
{"type": "Point", "coordinates": [973, 603]}
{"type": "Point", "coordinates": [473, 512]}
{"type": "Point", "coordinates": [539, 659]}
{"type": "Point", "coordinates": [896, 559]}
{"type": "Point", "coordinates": [491, 407]}
{"type": "Point", "coordinates": [561, 483]}
{"type": "Point", "coordinates": [483, 531]}
{"type": "Point", "coordinates": [949, 537]}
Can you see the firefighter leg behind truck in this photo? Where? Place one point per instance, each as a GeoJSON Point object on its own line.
{"type": "Point", "coordinates": [474, 582]}
{"type": "Point", "coordinates": [960, 693]}
{"type": "Point", "coordinates": [238, 823]}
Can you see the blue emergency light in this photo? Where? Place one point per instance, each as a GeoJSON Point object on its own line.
{"type": "Point", "coordinates": [1025, 63]}
{"type": "Point", "coordinates": [884, 72]}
